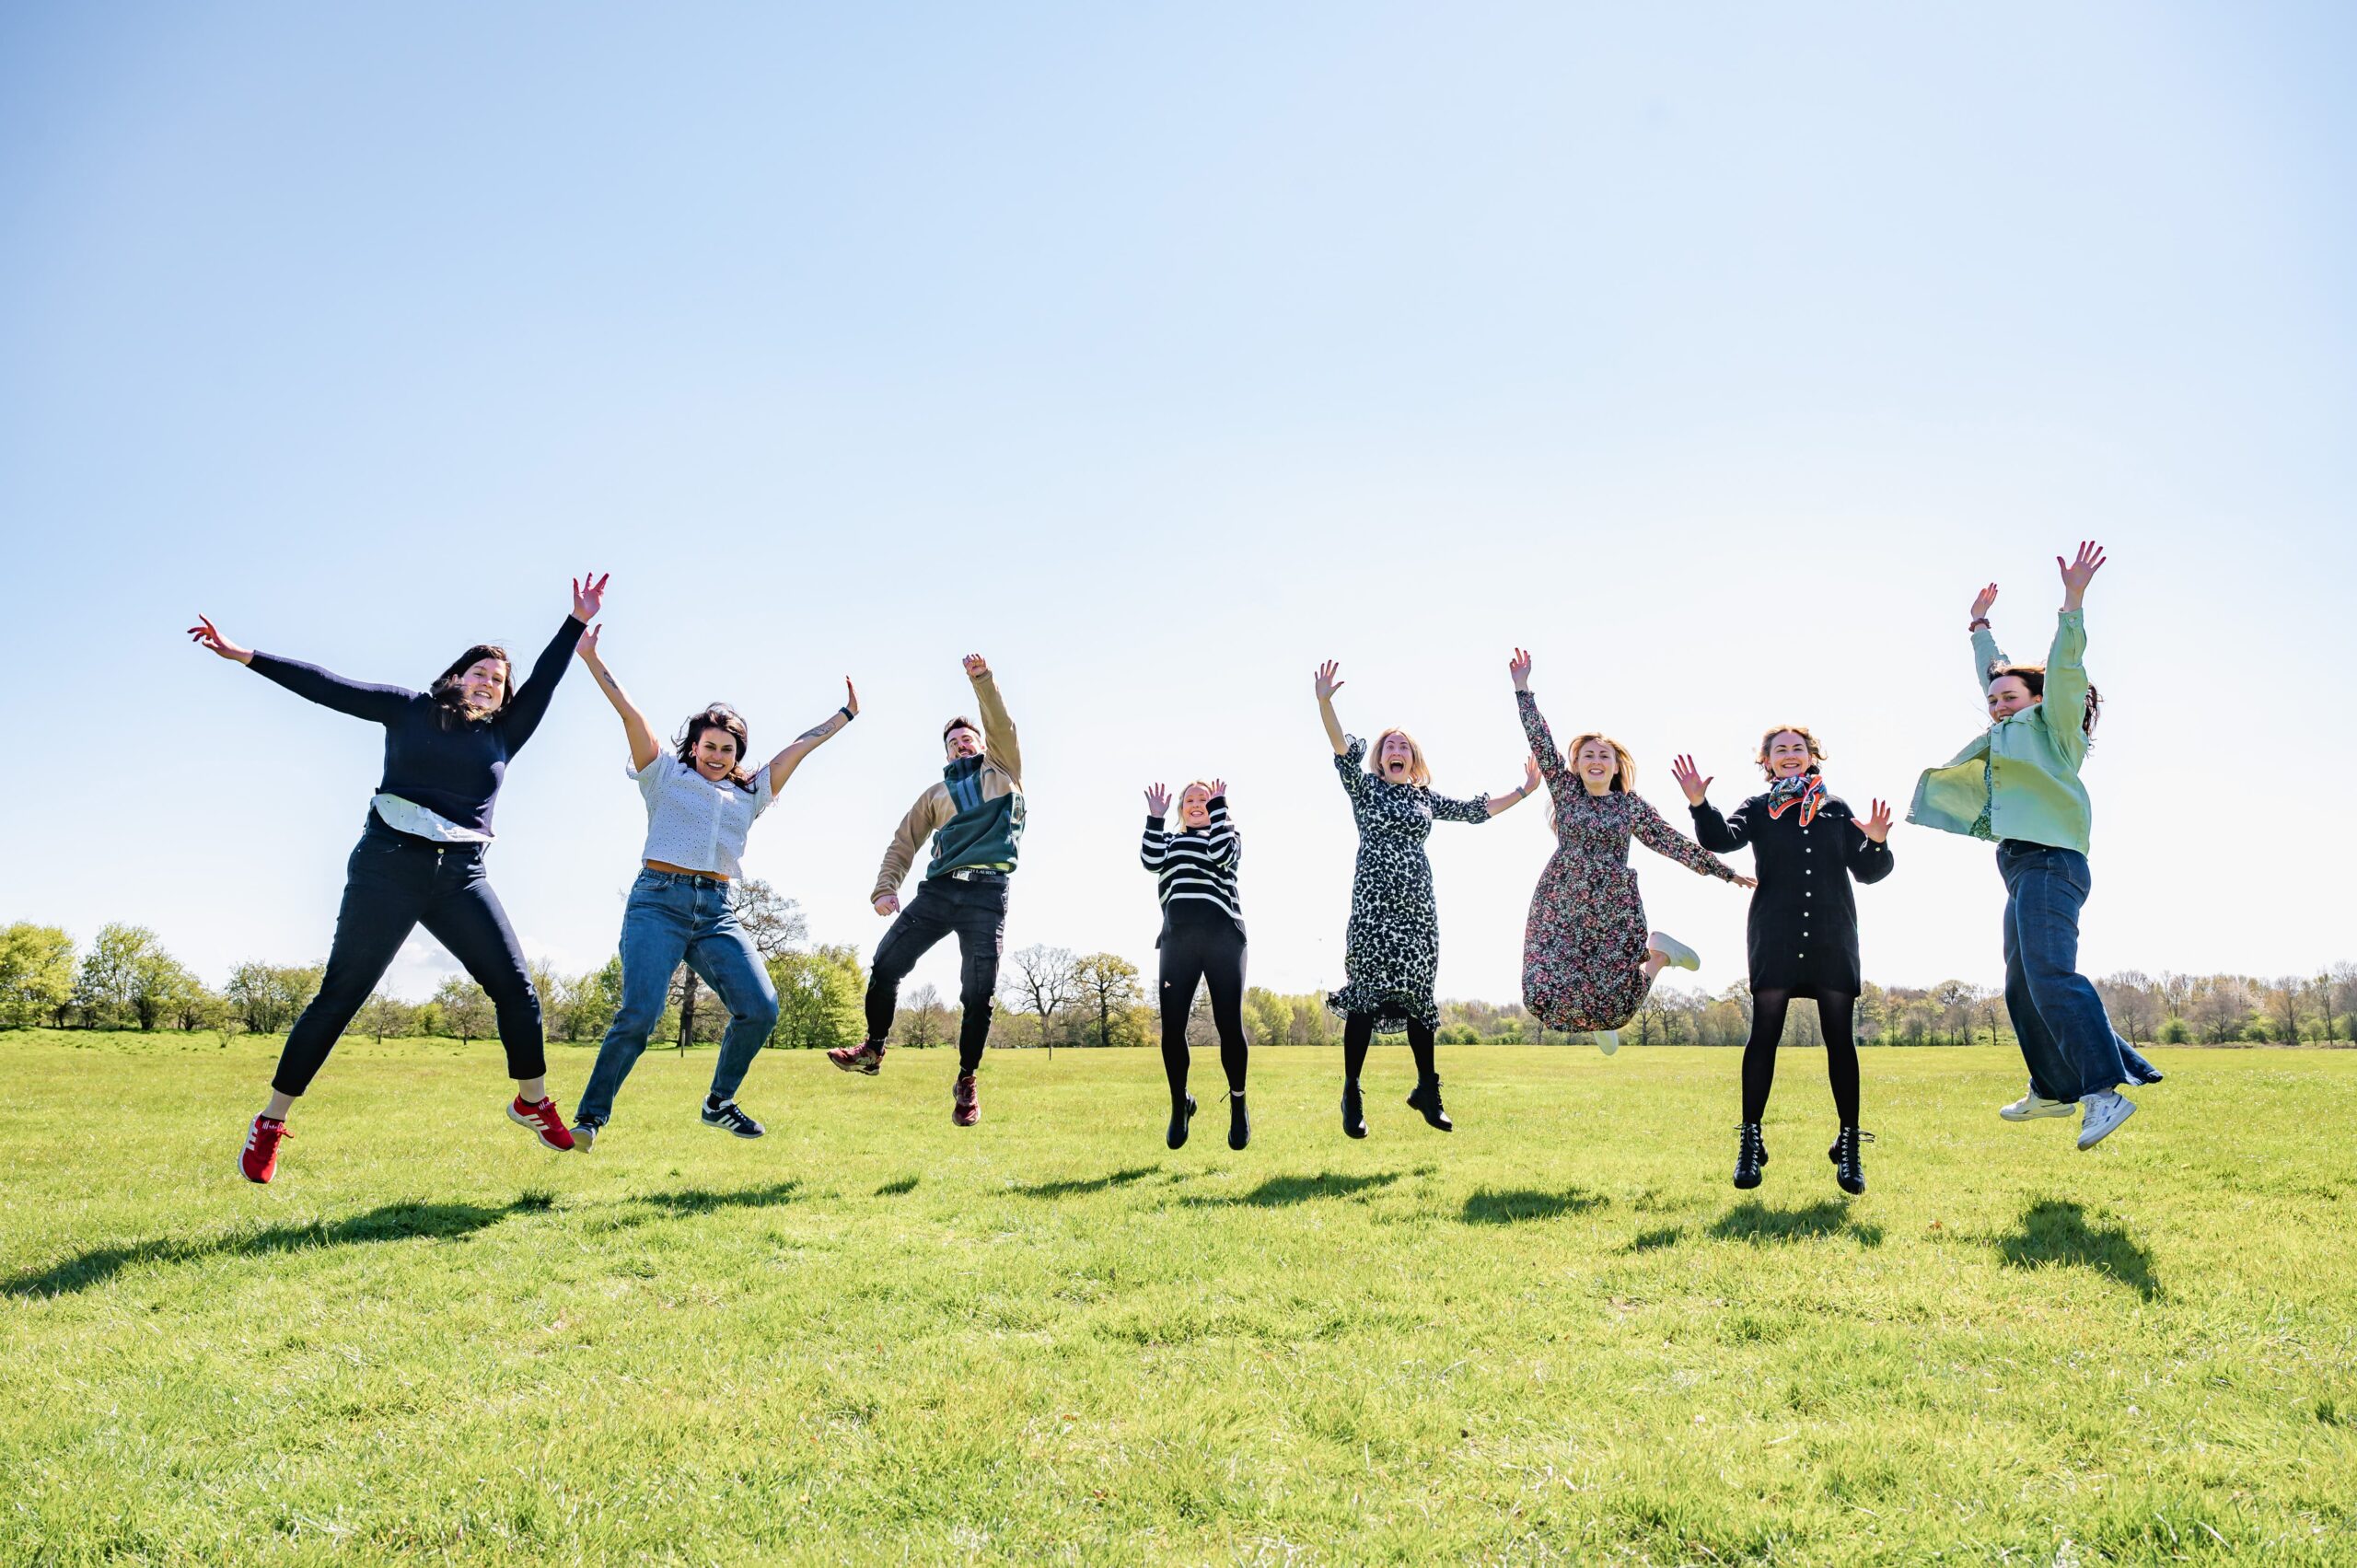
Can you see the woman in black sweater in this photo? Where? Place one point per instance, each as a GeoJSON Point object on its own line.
{"type": "Point", "coordinates": [1202, 940]}
{"type": "Point", "coordinates": [420, 857]}
{"type": "Point", "coordinates": [1804, 931]}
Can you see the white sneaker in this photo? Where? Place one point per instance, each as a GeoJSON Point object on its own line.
{"type": "Point", "coordinates": [2103, 1114]}
{"type": "Point", "coordinates": [2033, 1105]}
{"type": "Point", "coordinates": [583, 1134]}
{"type": "Point", "coordinates": [1607, 1041]}
{"type": "Point", "coordinates": [1679, 955]}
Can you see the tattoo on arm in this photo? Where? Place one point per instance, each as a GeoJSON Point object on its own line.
{"type": "Point", "coordinates": [606, 680]}
{"type": "Point", "coordinates": [816, 732]}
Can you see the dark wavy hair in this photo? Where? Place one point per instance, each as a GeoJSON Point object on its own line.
{"type": "Point", "coordinates": [445, 689]}
{"type": "Point", "coordinates": [2034, 677]}
{"type": "Point", "coordinates": [720, 716]}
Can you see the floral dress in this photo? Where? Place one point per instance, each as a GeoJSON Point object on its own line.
{"type": "Point", "coordinates": [1392, 952]}
{"type": "Point", "coordinates": [1584, 947]}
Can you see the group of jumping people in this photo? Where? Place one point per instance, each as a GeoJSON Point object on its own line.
{"type": "Point", "coordinates": [1589, 957]}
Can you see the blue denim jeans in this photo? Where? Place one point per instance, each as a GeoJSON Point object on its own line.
{"type": "Point", "coordinates": [2066, 1037]}
{"type": "Point", "coordinates": [669, 918]}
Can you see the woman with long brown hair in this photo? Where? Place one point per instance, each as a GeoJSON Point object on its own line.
{"type": "Point", "coordinates": [420, 859]}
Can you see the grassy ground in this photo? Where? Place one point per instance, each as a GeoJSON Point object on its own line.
{"type": "Point", "coordinates": [1557, 1335]}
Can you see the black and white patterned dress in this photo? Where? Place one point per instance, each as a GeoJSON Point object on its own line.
{"type": "Point", "coordinates": [1392, 951]}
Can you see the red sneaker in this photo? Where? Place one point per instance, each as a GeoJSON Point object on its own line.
{"type": "Point", "coordinates": [965, 1101]}
{"type": "Point", "coordinates": [259, 1162]}
{"type": "Point", "coordinates": [547, 1123]}
{"type": "Point", "coordinates": [868, 1058]}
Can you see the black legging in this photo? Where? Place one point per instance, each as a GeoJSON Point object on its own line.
{"type": "Point", "coordinates": [1833, 1011]}
{"type": "Point", "coordinates": [1358, 1033]}
{"type": "Point", "coordinates": [394, 883]}
{"type": "Point", "coordinates": [1200, 942]}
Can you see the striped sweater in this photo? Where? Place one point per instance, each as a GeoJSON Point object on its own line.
{"type": "Point", "coordinates": [1198, 863]}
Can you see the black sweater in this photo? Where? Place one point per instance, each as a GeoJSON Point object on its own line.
{"type": "Point", "coordinates": [432, 757]}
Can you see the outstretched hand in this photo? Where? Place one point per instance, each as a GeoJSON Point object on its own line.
{"type": "Point", "coordinates": [850, 697]}
{"type": "Point", "coordinates": [1689, 779]}
{"type": "Point", "coordinates": [1983, 600]}
{"type": "Point", "coordinates": [206, 636]}
{"type": "Point", "coordinates": [1742, 881]}
{"type": "Point", "coordinates": [1530, 779]}
{"type": "Point", "coordinates": [588, 596]}
{"type": "Point", "coordinates": [1875, 824]}
{"type": "Point", "coordinates": [1157, 801]}
{"type": "Point", "coordinates": [588, 645]}
{"type": "Point", "coordinates": [1519, 667]}
{"type": "Point", "coordinates": [1326, 684]}
{"type": "Point", "coordinates": [2078, 573]}
{"type": "Point", "coordinates": [1218, 788]}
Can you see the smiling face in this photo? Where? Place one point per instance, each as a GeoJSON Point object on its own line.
{"type": "Point", "coordinates": [2009, 694]}
{"type": "Point", "coordinates": [1195, 806]}
{"type": "Point", "coordinates": [715, 754]}
{"type": "Point", "coordinates": [1788, 754]}
{"type": "Point", "coordinates": [1396, 758]}
{"type": "Point", "coordinates": [1595, 761]}
{"type": "Point", "coordinates": [962, 741]}
{"type": "Point", "coordinates": [482, 685]}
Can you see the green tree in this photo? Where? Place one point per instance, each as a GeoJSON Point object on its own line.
{"type": "Point", "coordinates": [466, 1010]}
{"type": "Point", "coordinates": [36, 974]}
{"type": "Point", "coordinates": [265, 998]}
{"type": "Point", "coordinates": [819, 998]}
{"type": "Point", "coordinates": [1108, 997]}
{"type": "Point", "coordinates": [128, 978]}
{"type": "Point", "coordinates": [383, 1014]}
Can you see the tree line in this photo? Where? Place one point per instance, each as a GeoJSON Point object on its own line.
{"type": "Point", "coordinates": [1052, 997]}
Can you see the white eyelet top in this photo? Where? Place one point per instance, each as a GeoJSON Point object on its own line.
{"type": "Point", "coordinates": [693, 823]}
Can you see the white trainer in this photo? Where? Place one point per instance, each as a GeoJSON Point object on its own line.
{"type": "Point", "coordinates": [1607, 1041]}
{"type": "Point", "coordinates": [2033, 1105]}
{"type": "Point", "coordinates": [2103, 1114]}
{"type": "Point", "coordinates": [1679, 955]}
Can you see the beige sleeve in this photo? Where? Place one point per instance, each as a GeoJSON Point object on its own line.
{"type": "Point", "coordinates": [1005, 749]}
{"type": "Point", "coordinates": [923, 818]}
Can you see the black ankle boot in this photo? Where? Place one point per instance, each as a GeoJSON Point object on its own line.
{"type": "Point", "coordinates": [1849, 1169]}
{"type": "Point", "coordinates": [1353, 1112]}
{"type": "Point", "coordinates": [1239, 1125]}
{"type": "Point", "coordinates": [1749, 1155]}
{"type": "Point", "coordinates": [1425, 1097]}
{"type": "Point", "coordinates": [1181, 1114]}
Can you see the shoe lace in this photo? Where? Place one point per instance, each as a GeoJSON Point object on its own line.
{"type": "Point", "coordinates": [1754, 1142]}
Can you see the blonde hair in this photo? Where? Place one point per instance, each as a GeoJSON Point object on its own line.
{"type": "Point", "coordinates": [1816, 753]}
{"type": "Point", "coordinates": [1203, 785]}
{"type": "Point", "coordinates": [1419, 773]}
{"type": "Point", "coordinates": [1624, 776]}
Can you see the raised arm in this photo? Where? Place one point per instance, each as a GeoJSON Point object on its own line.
{"type": "Point", "coordinates": [1869, 859]}
{"type": "Point", "coordinates": [1985, 652]}
{"type": "Point", "coordinates": [2065, 700]}
{"type": "Point", "coordinates": [1712, 832]}
{"type": "Point", "coordinates": [1534, 727]}
{"type": "Point", "coordinates": [998, 730]}
{"type": "Point", "coordinates": [782, 766]}
{"type": "Point", "coordinates": [1671, 844]}
{"type": "Point", "coordinates": [530, 702]}
{"type": "Point", "coordinates": [377, 705]}
{"type": "Point", "coordinates": [1155, 843]}
{"type": "Point", "coordinates": [1222, 837]}
{"type": "Point", "coordinates": [1327, 685]}
{"type": "Point", "coordinates": [643, 744]}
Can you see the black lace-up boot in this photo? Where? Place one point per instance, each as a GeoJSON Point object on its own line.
{"type": "Point", "coordinates": [1849, 1169]}
{"type": "Point", "coordinates": [1425, 1097]}
{"type": "Point", "coordinates": [1180, 1115]}
{"type": "Point", "coordinates": [1353, 1110]}
{"type": "Point", "coordinates": [1750, 1154]}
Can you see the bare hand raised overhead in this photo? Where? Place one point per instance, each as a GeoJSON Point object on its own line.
{"type": "Point", "coordinates": [1689, 779]}
{"type": "Point", "coordinates": [977, 667]}
{"type": "Point", "coordinates": [1157, 801]}
{"type": "Point", "coordinates": [588, 596]}
{"type": "Point", "coordinates": [205, 636]}
{"type": "Point", "coordinates": [1875, 824]}
{"type": "Point", "coordinates": [1519, 667]}
{"type": "Point", "coordinates": [1327, 683]}
{"type": "Point", "coordinates": [1983, 600]}
{"type": "Point", "coordinates": [2078, 573]}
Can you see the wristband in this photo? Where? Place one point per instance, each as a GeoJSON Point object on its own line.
{"type": "Point", "coordinates": [1979, 624]}
{"type": "Point", "coordinates": [847, 714]}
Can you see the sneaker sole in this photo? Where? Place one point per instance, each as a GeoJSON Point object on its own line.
{"type": "Point", "coordinates": [869, 1068]}
{"type": "Point", "coordinates": [533, 1127]}
{"type": "Point", "coordinates": [736, 1131]}
{"type": "Point", "coordinates": [2042, 1114]}
{"type": "Point", "coordinates": [2086, 1143]}
{"type": "Point", "coordinates": [256, 1180]}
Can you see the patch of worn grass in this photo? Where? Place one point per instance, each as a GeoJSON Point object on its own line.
{"type": "Point", "coordinates": [1558, 1334]}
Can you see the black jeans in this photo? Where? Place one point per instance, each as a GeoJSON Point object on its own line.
{"type": "Point", "coordinates": [1200, 942]}
{"type": "Point", "coordinates": [976, 911]}
{"type": "Point", "coordinates": [393, 883]}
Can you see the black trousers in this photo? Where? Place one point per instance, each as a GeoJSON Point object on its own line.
{"type": "Point", "coordinates": [1200, 944]}
{"type": "Point", "coordinates": [393, 883]}
{"type": "Point", "coordinates": [976, 912]}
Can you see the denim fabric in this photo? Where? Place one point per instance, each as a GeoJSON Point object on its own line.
{"type": "Point", "coordinates": [2066, 1037]}
{"type": "Point", "coordinates": [393, 883]}
{"type": "Point", "coordinates": [670, 918]}
{"type": "Point", "coordinates": [976, 912]}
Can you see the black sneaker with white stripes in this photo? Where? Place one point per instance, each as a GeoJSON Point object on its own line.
{"type": "Point", "coordinates": [725, 1115]}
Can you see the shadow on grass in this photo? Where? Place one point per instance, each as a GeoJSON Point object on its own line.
{"type": "Point", "coordinates": [704, 1200]}
{"type": "Point", "coordinates": [1513, 1205]}
{"type": "Point", "coordinates": [1279, 1191]}
{"type": "Point", "coordinates": [1074, 1186]}
{"type": "Point", "coordinates": [896, 1186]}
{"type": "Point", "coordinates": [2053, 1231]}
{"type": "Point", "coordinates": [392, 1222]}
{"type": "Point", "coordinates": [1653, 1241]}
{"type": "Point", "coordinates": [1755, 1222]}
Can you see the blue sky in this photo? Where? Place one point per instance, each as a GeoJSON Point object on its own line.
{"type": "Point", "coordinates": [1158, 353]}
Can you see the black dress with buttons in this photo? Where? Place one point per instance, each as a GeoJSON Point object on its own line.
{"type": "Point", "coordinates": [1804, 925]}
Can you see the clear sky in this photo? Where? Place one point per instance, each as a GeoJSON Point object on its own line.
{"type": "Point", "coordinates": [1717, 354]}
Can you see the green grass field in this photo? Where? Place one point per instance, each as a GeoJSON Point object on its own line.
{"type": "Point", "coordinates": [1559, 1335]}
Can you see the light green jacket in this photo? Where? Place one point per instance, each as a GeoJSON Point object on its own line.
{"type": "Point", "coordinates": [2020, 780]}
